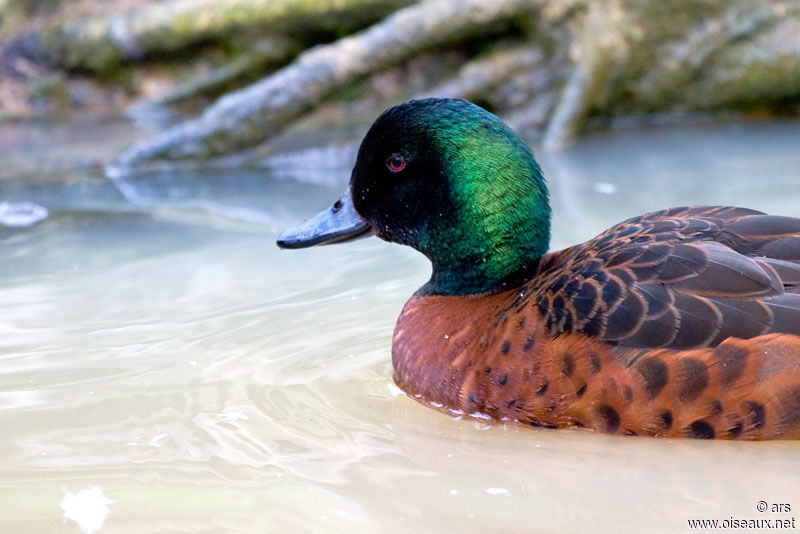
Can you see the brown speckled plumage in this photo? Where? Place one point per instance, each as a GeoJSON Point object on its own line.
{"type": "Point", "coordinates": [682, 322]}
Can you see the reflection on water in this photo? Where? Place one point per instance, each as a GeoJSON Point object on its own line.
{"type": "Point", "coordinates": [21, 214]}
{"type": "Point", "coordinates": [156, 344]}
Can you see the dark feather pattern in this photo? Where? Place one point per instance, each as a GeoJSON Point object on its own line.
{"type": "Point", "coordinates": [682, 278]}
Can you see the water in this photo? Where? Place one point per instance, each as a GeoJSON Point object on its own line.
{"type": "Point", "coordinates": [165, 368]}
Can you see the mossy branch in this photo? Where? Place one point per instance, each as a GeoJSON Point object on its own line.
{"type": "Point", "coordinates": [598, 51]}
{"type": "Point", "coordinates": [487, 72]}
{"type": "Point", "coordinates": [581, 59]}
{"type": "Point", "coordinates": [249, 116]}
{"type": "Point", "coordinates": [102, 43]}
{"type": "Point", "coordinates": [262, 54]}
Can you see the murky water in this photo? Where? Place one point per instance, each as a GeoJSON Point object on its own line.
{"type": "Point", "coordinates": [165, 368]}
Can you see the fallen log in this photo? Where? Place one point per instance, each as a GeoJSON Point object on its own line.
{"type": "Point", "coordinates": [262, 54]}
{"type": "Point", "coordinates": [580, 60]}
{"type": "Point", "coordinates": [481, 75]}
{"type": "Point", "coordinates": [246, 117]}
{"type": "Point", "coordinates": [103, 42]}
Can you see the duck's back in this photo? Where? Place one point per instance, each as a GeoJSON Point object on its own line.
{"type": "Point", "coordinates": [684, 322]}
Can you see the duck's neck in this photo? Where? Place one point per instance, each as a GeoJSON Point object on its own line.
{"type": "Point", "coordinates": [471, 279]}
{"type": "Point", "coordinates": [499, 234]}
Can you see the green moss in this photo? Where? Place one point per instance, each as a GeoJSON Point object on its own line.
{"type": "Point", "coordinates": [31, 7]}
{"type": "Point", "coordinates": [51, 88]}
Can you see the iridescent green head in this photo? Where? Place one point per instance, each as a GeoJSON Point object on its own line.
{"type": "Point", "coordinates": [451, 180]}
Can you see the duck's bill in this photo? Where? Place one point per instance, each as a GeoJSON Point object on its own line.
{"type": "Point", "coordinates": [337, 224]}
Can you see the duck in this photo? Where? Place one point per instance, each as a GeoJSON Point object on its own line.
{"type": "Point", "coordinates": [683, 322]}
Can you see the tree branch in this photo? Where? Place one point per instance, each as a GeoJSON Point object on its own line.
{"type": "Point", "coordinates": [251, 115]}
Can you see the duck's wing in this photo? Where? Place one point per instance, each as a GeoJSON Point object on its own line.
{"type": "Point", "coordinates": [681, 278]}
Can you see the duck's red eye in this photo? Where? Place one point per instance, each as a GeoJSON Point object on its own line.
{"type": "Point", "coordinates": [396, 162]}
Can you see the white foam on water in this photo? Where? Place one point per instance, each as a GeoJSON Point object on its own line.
{"type": "Point", "coordinates": [88, 508]}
